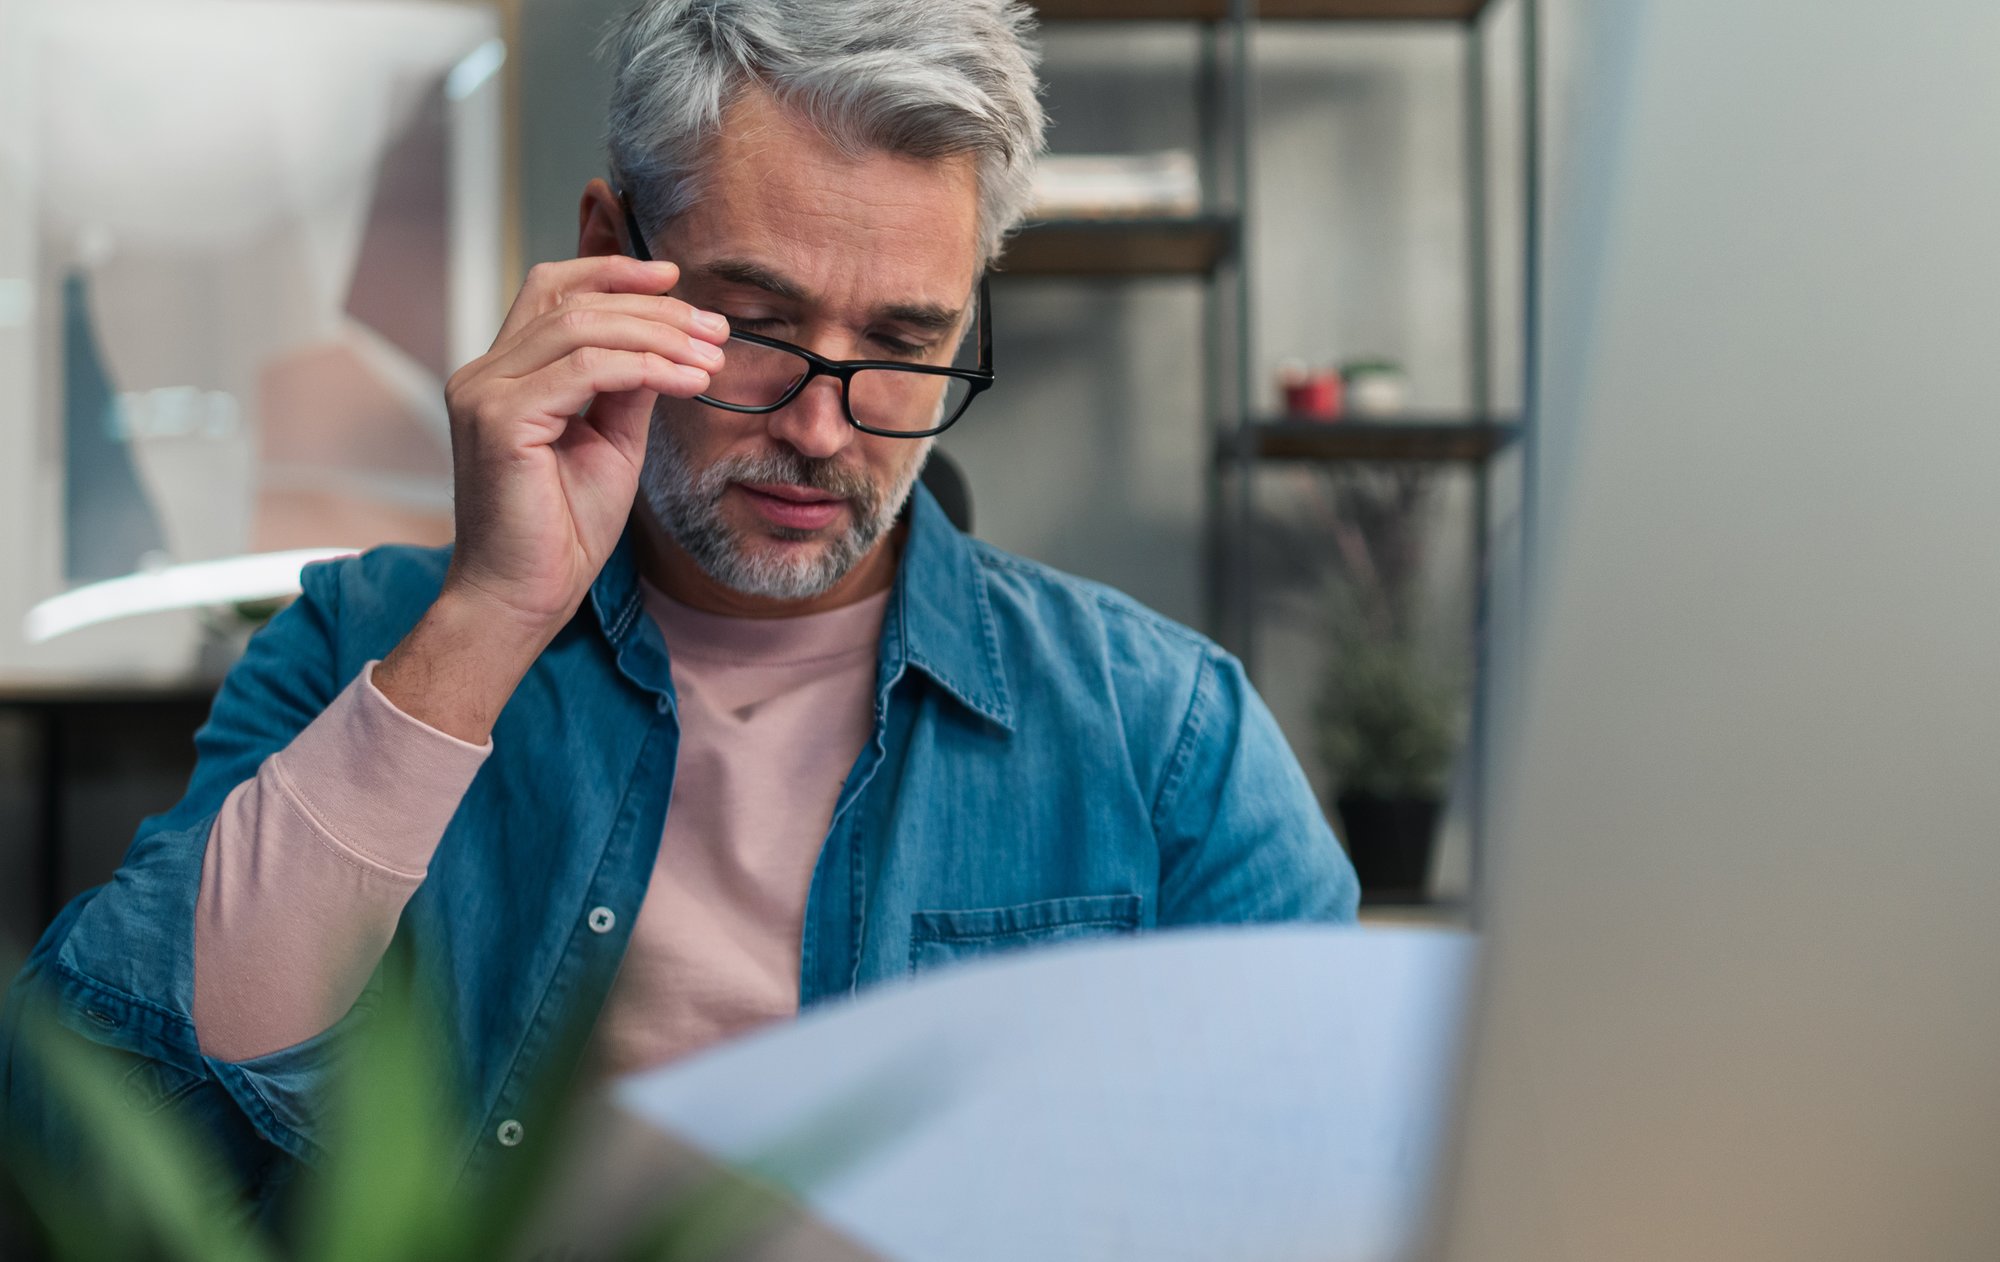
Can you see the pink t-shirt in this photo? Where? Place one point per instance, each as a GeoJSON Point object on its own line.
{"type": "Point", "coordinates": [773, 713]}
{"type": "Point", "coordinates": [310, 863]}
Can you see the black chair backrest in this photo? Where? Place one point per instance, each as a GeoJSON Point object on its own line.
{"type": "Point", "coordinates": [947, 482]}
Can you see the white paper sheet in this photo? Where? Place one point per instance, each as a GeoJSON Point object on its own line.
{"type": "Point", "coordinates": [1275, 1093]}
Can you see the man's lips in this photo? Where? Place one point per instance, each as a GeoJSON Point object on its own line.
{"type": "Point", "coordinates": [787, 491]}
{"type": "Point", "coordinates": [793, 507]}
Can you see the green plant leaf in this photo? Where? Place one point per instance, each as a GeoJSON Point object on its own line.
{"type": "Point", "coordinates": [387, 1190]}
{"type": "Point", "coordinates": [1389, 722]}
{"type": "Point", "coordinates": [155, 1189]}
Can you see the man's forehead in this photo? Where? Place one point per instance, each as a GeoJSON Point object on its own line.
{"type": "Point", "coordinates": [885, 301]}
{"type": "Point", "coordinates": [785, 209]}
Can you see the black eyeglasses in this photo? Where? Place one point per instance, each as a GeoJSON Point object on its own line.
{"type": "Point", "coordinates": [880, 396]}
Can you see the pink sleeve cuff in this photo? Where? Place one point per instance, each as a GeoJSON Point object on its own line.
{"type": "Point", "coordinates": [375, 782]}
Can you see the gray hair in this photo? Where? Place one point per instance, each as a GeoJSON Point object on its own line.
{"type": "Point", "coordinates": [920, 78]}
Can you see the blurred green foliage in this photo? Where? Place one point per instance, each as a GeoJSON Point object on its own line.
{"type": "Point", "coordinates": [1388, 721]}
{"type": "Point", "coordinates": [389, 1190]}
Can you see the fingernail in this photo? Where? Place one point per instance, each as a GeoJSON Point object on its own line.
{"type": "Point", "coordinates": [708, 353]}
{"type": "Point", "coordinates": [711, 321]}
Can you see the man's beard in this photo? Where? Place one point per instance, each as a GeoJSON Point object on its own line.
{"type": "Point", "coordinates": [689, 505]}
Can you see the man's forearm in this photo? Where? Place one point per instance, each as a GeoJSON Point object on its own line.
{"type": "Point", "coordinates": [458, 666]}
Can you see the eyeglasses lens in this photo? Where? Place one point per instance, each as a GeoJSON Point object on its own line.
{"type": "Point", "coordinates": [880, 398]}
{"type": "Point", "coordinates": [905, 401]}
{"type": "Point", "coordinates": [753, 375]}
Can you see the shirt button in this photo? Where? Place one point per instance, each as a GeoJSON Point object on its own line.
{"type": "Point", "coordinates": [601, 919]}
{"type": "Point", "coordinates": [510, 1133]}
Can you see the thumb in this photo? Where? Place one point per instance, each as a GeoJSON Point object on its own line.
{"type": "Point", "coordinates": [624, 417]}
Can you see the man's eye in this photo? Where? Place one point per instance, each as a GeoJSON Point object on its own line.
{"type": "Point", "coordinates": [902, 350]}
{"type": "Point", "coordinates": [752, 323]}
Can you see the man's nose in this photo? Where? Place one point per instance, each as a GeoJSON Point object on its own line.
{"type": "Point", "coordinates": [815, 423]}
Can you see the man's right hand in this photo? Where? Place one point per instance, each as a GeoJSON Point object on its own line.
{"type": "Point", "coordinates": [548, 434]}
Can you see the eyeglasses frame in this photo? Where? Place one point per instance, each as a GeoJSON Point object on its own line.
{"type": "Point", "coordinates": [843, 370]}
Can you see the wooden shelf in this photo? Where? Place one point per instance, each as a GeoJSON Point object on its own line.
{"type": "Point", "coordinates": [1266, 10]}
{"type": "Point", "coordinates": [1432, 440]}
{"type": "Point", "coordinates": [1119, 247]}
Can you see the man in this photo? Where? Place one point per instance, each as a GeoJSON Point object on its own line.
{"type": "Point", "coordinates": [709, 714]}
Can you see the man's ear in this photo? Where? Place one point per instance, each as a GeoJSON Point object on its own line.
{"type": "Point", "coordinates": [600, 223]}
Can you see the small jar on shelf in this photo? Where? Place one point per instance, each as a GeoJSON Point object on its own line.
{"type": "Point", "coordinates": [1375, 387]}
{"type": "Point", "coordinates": [1310, 393]}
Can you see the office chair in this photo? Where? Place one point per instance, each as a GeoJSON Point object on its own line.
{"type": "Point", "coordinates": [947, 482]}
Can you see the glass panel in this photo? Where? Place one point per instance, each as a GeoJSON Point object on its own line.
{"type": "Point", "coordinates": [259, 239]}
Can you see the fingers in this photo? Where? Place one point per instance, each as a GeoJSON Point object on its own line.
{"type": "Point", "coordinates": [549, 284]}
{"type": "Point", "coordinates": [564, 388]}
{"type": "Point", "coordinates": [710, 326]}
{"type": "Point", "coordinates": [592, 329]}
{"type": "Point", "coordinates": [623, 418]}
{"type": "Point", "coordinates": [562, 333]}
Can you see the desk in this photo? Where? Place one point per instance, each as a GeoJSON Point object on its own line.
{"type": "Point", "coordinates": [1448, 913]}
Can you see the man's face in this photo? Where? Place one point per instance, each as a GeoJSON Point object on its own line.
{"type": "Point", "coordinates": [855, 258]}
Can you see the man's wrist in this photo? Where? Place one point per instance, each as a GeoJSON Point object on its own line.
{"type": "Point", "coordinates": [457, 668]}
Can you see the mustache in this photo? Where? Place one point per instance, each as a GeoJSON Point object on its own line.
{"type": "Point", "coordinates": [827, 475]}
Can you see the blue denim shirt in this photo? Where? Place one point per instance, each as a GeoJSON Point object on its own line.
{"type": "Point", "coordinates": [1050, 761]}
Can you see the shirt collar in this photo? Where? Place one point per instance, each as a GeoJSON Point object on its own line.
{"type": "Point", "coordinates": [940, 618]}
{"type": "Point", "coordinates": [619, 606]}
{"type": "Point", "coordinates": [615, 596]}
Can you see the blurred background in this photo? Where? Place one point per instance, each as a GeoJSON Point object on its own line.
{"type": "Point", "coordinates": [1260, 356]}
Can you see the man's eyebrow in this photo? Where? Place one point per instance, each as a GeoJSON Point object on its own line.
{"type": "Point", "coordinates": [744, 272]}
{"type": "Point", "coordinates": [925, 316]}
{"type": "Point", "coordinates": [922, 316]}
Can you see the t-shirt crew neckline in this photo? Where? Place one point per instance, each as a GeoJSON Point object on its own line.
{"type": "Point", "coordinates": [713, 637]}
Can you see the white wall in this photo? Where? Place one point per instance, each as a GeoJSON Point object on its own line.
{"type": "Point", "coordinates": [20, 490]}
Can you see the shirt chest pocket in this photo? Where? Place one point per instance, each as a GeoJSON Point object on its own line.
{"type": "Point", "coordinates": [939, 938]}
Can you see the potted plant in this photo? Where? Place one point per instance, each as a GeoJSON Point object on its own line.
{"type": "Point", "coordinates": [1389, 713]}
{"type": "Point", "coordinates": [1388, 724]}
{"type": "Point", "coordinates": [1375, 387]}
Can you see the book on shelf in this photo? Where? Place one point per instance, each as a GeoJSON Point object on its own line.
{"type": "Point", "coordinates": [1117, 186]}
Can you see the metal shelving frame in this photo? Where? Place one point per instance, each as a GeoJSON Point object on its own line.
{"type": "Point", "coordinates": [1210, 247]}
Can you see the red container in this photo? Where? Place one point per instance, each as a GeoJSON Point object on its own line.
{"type": "Point", "coordinates": [1313, 396]}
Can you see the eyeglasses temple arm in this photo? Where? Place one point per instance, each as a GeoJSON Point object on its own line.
{"type": "Point", "coordinates": [639, 250]}
{"type": "Point", "coordinates": [985, 324]}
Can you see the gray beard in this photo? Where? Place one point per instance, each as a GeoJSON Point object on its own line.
{"type": "Point", "coordinates": [688, 504]}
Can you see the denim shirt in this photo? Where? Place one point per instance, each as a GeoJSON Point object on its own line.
{"type": "Point", "coordinates": [1050, 761]}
